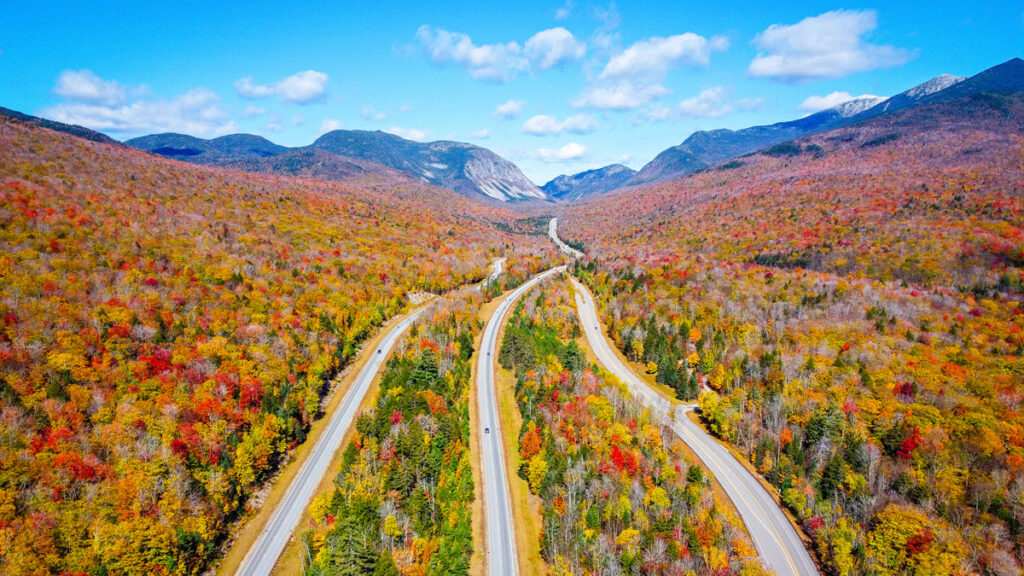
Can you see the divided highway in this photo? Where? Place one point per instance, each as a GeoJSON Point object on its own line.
{"type": "Point", "coordinates": [264, 553]}
{"type": "Point", "coordinates": [500, 526]}
{"type": "Point", "coordinates": [774, 537]}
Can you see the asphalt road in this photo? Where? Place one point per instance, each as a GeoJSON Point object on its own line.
{"type": "Point", "coordinates": [500, 526]}
{"type": "Point", "coordinates": [497, 267]}
{"type": "Point", "coordinates": [264, 553]}
{"type": "Point", "coordinates": [773, 535]}
{"type": "Point", "coordinates": [553, 234]}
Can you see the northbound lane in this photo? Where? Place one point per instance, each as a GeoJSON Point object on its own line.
{"type": "Point", "coordinates": [773, 535]}
{"type": "Point", "coordinates": [500, 526]}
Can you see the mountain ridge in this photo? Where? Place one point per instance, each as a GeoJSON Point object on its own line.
{"type": "Point", "coordinates": [470, 170]}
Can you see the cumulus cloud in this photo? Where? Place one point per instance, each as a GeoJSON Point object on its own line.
{"type": "Point", "coordinates": [550, 48]}
{"type": "Point", "coordinates": [373, 115]}
{"type": "Point", "coordinates": [543, 125]}
{"type": "Point", "coordinates": [510, 109]}
{"type": "Point", "coordinates": [499, 62]}
{"type": "Point", "coordinates": [481, 134]}
{"type": "Point", "coordinates": [408, 133]}
{"type": "Point", "coordinates": [302, 88]}
{"type": "Point", "coordinates": [634, 77]}
{"type": "Point", "coordinates": [713, 102]}
{"type": "Point", "coordinates": [827, 46]}
{"type": "Point", "coordinates": [330, 124]}
{"type": "Point", "coordinates": [651, 59]}
{"type": "Point", "coordinates": [571, 151]}
{"type": "Point", "coordinates": [253, 110]}
{"type": "Point", "coordinates": [816, 103]}
{"type": "Point", "coordinates": [619, 96]}
{"type": "Point", "coordinates": [198, 112]}
{"type": "Point", "coordinates": [709, 103]}
{"type": "Point", "coordinates": [565, 11]}
{"type": "Point", "coordinates": [84, 86]}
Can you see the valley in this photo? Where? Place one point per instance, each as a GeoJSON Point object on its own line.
{"type": "Point", "coordinates": [779, 346]}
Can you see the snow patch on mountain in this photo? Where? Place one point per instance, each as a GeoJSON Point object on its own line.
{"type": "Point", "coordinates": [934, 85]}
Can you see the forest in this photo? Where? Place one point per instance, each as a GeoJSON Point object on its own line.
{"type": "Point", "coordinates": [855, 316]}
{"type": "Point", "coordinates": [169, 332]}
{"type": "Point", "coordinates": [620, 495]}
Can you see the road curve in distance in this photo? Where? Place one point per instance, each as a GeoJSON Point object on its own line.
{"type": "Point", "coordinates": [553, 234]}
{"type": "Point", "coordinates": [264, 554]}
{"type": "Point", "coordinates": [497, 267]}
{"type": "Point", "coordinates": [774, 537]}
{"type": "Point", "coordinates": [501, 553]}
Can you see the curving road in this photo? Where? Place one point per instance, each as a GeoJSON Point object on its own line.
{"type": "Point", "coordinates": [553, 234]}
{"type": "Point", "coordinates": [500, 527]}
{"type": "Point", "coordinates": [773, 535]}
{"type": "Point", "coordinates": [264, 553]}
{"type": "Point", "coordinates": [497, 267]}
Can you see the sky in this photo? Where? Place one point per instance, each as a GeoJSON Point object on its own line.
{"type": "Point", "coordinates": [556, 87]}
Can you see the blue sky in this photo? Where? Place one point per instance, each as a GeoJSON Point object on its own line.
{"type": "Point", "coordinates": [557, 87]}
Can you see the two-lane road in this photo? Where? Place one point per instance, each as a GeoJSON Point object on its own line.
{"type": "Point", "coordinates": [773, 535]}
{"type": "Point", "coordinates": [553, 234]}
{"type": "Point", "coordinates": [264, 553]}
{"type": "Point", "coordinates": [500, 526]}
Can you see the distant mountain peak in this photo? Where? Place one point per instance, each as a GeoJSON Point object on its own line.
{"type": "Point", "coordinates": [857, 105]}
{"type": "Point", "coordinates": [572, 187]}
{"type": "Point", "coordinates": [934, 85]}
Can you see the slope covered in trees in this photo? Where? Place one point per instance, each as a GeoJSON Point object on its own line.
{"type": "Point", "coordinates": [618, 494]}
{"type": "Point", "coordinates": [853, 301]}
{"type": "Point", "coordinates": [167, 333]}
{"type": "Point", "coordinates": [403, 496]}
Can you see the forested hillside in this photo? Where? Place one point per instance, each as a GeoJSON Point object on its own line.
{"type": "Point", "coordinates": [853, 301]}
{"type": "Point", "coordinates": [167, 334]}
{"type": "Point", "coordinates": [619, 495]}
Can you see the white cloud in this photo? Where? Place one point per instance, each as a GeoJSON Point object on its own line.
{"type": "Point", "coordinates": [619, 96]}
{"type": "Point", "coordinates": [543, 125]}
{"type": "Point", "coordinates": [827, 46]}
{"type": "Point", "coordinates": [651, 59]}
{"type": "Point", "coordinates": [301, 88]}
{"type": "Point", "coordinates": [709, 103]}
{"type": "Point", "coordinates": [713, 102]}
{"type": "Point", "coordinates": [329, 125]}
{"type": "Point", "coordinates": [408, 133]}
{"type": "Point", "coordinates": [298, 120]}
{"type": "Point", "coordinates": [565, 11]}
{"type": "Point", "coordinates": [549, 48]}
{"type": "Point", "coordinates": [198, 112]}
{"type": "Point", "coordinates": [510, 109]}
{"type": "Point", "coordinates": [273, 127]}
{"type": "Point", "coordinates": [481, 134]}
{"type": "Point", "coordinates": [499, 62]}
{"type": "Point", "coordinates": [373, 115]}
{"type": "Point", "coordinates": [254, 110]}
{"type": "Point", "coordinates": [571, 151]}
{"type": "Point", "coordinates": [84, 86]}
{"type": "Point", "coordinates": [816, 103]}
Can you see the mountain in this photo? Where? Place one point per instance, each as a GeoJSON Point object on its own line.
{"type": "Point", "coordinates": [913, 96]}
{"type": "Point", "coordinates": [707, 148]}
{"type": "Point", "coordinates": [72, 129]}
{"type": "Point", "coordinates": [573, 187]}
{"type": "Point", "coordinates": [218, 151]}
{"type": "Point", "coordinates": [469, 170]}
{"type": "Point", "coordinates": [704, 149]}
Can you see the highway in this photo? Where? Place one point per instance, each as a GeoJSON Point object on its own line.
{"type": "Point", "coordinates": [501, 556]}
{"type": "Point", "coordinates": [774, 537]}
{"type": "Point", "coordinates": [264, 553]}
{"type": "Point", "coordinates": [553, 234]}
